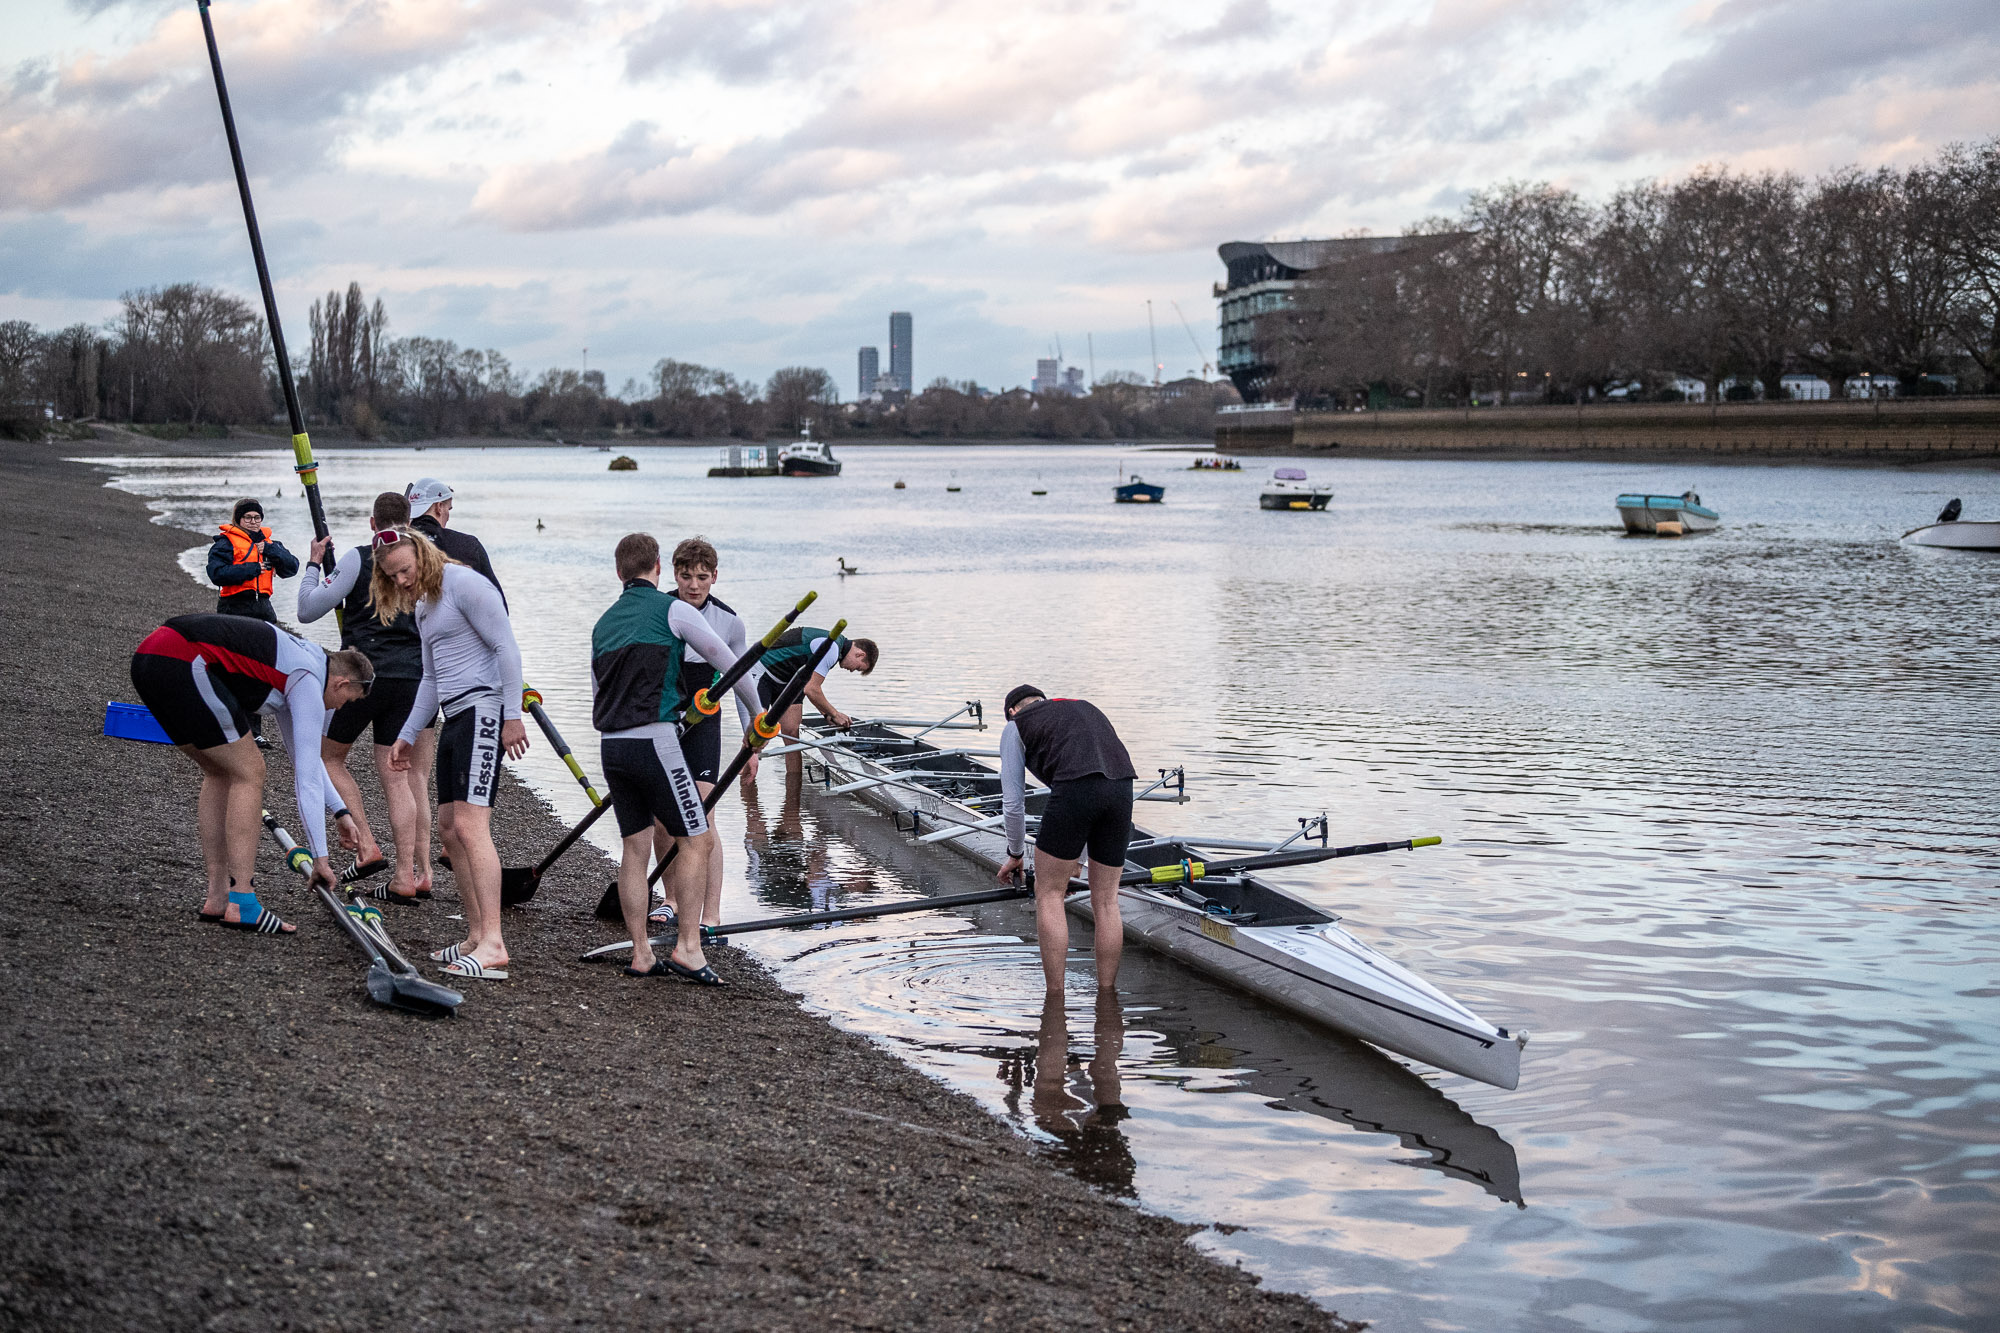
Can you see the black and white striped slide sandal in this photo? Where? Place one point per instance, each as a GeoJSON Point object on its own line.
{"type": "Point", "coordinates": [465, 965]}
{"type": "Point", "coordinates": [451, 953]}
{"type": "Point", "coordinates": [361, 870]}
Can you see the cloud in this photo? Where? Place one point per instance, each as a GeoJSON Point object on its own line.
{"type": "Point", "coordinates": [738, 43]}
{"type": "Point", "coordinates": [1243, 19]}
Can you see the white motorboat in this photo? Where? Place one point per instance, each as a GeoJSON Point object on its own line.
{"type": "Point", "coordinates": [1289, 489]}
{"type": "Point", "coordinates": [1956, 534]}
{"type": "Point", "coordinates": [1233, 926]}
{"type": "Point", "coordinates": [1645, 513]}
{"type": "Point", "coordinates": [807, 457]}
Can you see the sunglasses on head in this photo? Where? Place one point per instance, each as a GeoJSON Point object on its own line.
{"type": "Point", "coordinates": [388, 537]}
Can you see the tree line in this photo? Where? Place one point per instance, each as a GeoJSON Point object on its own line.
{"type": "Point", "coordinates": [195, 356]}
{"type": "Point", "coordinates": [1732, 279]}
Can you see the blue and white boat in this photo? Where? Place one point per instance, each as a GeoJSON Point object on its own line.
{"type": "Point", "coordinates": [1645, 513]}
{"type": "Point", "coordinates": [1138, 492]}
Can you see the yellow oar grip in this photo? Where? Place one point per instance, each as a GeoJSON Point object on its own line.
{"type": "Point", "coordinates": [530, 698]}
{"type": "Point", "coordinates": [299, 859]}
{"type": "Point", "coordinates": [778, 630]}
{"type": "Point", "coordinates": [1425, 842]}
{"type": "Point", "coordinates": [704, 705]}
{"type": "Point", "coordinates": [1179, 870]}
{"type": "Point", "coordinates": [762, 728]}
{"type": "Point", "coordinates": [302, 450]}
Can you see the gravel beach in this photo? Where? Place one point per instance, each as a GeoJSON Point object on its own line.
{"type": "Point", "coordinates": [204, 1129]}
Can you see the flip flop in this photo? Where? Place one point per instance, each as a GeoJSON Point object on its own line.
{"type": "Point", "coordinates": [472, 969]}
{"type": "Point", "coordinates": [381, 894]}
{"type": "Point", "coordinates": [705, 977]}
{"type": "Point", "coordinates": [361, 870]}
{"type": "Point", "coordinates": [662, 915]}
{"type": "Point", "coordinates": [267, 923]}
{"type": "Point", "coordinates": [451, 953]}
{"type": "Point", "coordinates": [658, 969]}
{"type": "Point", "coordinates": [213, 918]}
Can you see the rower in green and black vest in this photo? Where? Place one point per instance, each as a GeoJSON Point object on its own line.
{"type": "Point", "coordinates": [803, 648]}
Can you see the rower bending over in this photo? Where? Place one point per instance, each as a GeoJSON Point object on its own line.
{"type": "Point", "coordinates": [1071, 748]}
{"type": "Point", "coordinates": [472, 672]}
{"type": "Point", "coordinates": [202, 677]}
{"type": "Point", "coordinates": [803, 649]}
{"type": "Point", "coordinates": [636, 652]}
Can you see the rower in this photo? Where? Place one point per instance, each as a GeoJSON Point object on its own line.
{"type": "Point", "coordinates": [202, 677]}
{"type": "Point", "coordinates": [695, 566]}
{"type": "Point", "coordinates": [636, 650]}
{"type": "Point", "coordinates": [430, 503]}
{"type": "Point", "coordinates": [399, 667]}
{"type": "Point", "coordinates": [1072, 749]}
{"type": "Point", "coordinates": [801, 649]}
{"type": "Point", "coordinates": [472, 674]}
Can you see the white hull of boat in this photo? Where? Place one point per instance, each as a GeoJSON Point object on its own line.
{"type": "Point", "coordinates": [1649, 519]}
{"type": "Point", "coordinates": [1959, 536]}
{"type": "Point", "coordinates": [1320, 972]}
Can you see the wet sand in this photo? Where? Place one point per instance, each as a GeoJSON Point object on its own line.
{"type": "Point", "coordinates": [200, 1128]}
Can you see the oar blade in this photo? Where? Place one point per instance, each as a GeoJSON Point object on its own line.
{"type": "Point", "coordinates": [412, 994]}
{"type": "Point", "coordinates": [518, 884]}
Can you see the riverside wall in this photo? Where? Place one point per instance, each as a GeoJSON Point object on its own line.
{"type": "Point", "coordinates": [1924, 430]}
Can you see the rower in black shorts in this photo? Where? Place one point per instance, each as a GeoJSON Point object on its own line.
{"type": "Point", "coordinates": [398, 656]}
{"type": "Point", "coordinates": [802, 648]}
{"type": "Point", "coordinates": [1070, 747]}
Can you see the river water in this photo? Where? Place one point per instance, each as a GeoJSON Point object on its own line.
{"type": "Point", "coordinates": [1720, 830]}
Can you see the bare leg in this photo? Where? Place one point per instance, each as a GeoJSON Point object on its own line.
{"type": "Point", "coordinates": [419, 777]}
{"type": "Point", "coordinates": [478, 875]}
{"type": "Point", "coordinates": [690, 879]}
{"type": "Point", "coordinates": [795, 761]}
{"type": "Point", "coordinates": [335, 755]}
{"type": "Point", "coordinates": [461, 871]}
{"type": "Point", "coordinates": [1110, 928]}
{"type": "Point", "coordinates": [212, 820]}
{"type": "Point", "coordinates": [1052, 877]}
{"type": "Point", "coordinates": [632, 895]}
{"type": "Point", "coordinates": [403, 802]}
{"type": "Point", "coordinates": [1106, 1086]}
{"type": "Point", "coordinates": [711, 902]}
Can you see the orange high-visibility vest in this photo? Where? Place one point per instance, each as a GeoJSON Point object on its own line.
{"type": "Point", "coordinates": [247, 550]}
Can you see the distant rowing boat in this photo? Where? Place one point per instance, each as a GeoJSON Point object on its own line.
{"type": "Point", "coordinates": [1236, 927]}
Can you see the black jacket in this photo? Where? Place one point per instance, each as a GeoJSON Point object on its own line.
{"type": "Point", "coordinates": [460, 546]}
{"type": "Point", "coordinates": [223, 572]}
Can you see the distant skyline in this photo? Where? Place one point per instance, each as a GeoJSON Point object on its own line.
{"type": "Point", "coordinates": [750, 185]}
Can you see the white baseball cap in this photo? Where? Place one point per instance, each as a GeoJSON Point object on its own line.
{"type": "Point", "coordinates": [424, 493]}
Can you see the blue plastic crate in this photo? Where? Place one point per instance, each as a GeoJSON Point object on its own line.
{"type": "Point", "coordinates": [133, 723]}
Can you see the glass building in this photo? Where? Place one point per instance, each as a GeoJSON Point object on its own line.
{"type": "Point", "coordinates": [868, 371]}
{"type": "Point", "coordinates": [900, 367]}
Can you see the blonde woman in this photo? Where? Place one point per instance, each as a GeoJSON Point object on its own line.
{"type": "Point", "coordinates": [472, 672]}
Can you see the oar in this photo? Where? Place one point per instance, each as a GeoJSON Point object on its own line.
{"type": "Point", "coordinates": [763, 728]}
{"type": "Point", "coordinates": [1158, 875]}
{"type": "Point", "coordinates": [531, 700]}
{"type": "Point", "coordinates": [518, 883]}
{"type": "Point", "coordinates": [392, 981]}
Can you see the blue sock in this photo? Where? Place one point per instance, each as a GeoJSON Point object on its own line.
{"type": "Point", "coordinates": [248, 909]}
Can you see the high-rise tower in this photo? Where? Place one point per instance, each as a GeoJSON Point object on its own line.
{"type": "Point", "coordinates": [869, 369]}
{"type": "Point", "coordinates": [899, 351]}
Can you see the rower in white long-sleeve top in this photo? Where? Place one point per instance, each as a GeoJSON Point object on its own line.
{"type": "Point", "coordinates": [1071, 748]}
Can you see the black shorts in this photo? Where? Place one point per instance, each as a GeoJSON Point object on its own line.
{"type": "Point", "coordinates": [192, 707]}
{"type": "Point", "coordinates": [767, 692]}
{"type": "Point", "coordinates": [649, 780]}
{"type": "Point", "coordinates": [468, 756]}
{"type": "Point", "coordinates": [1091, 812]}
{"type": "Point", "coordinates": [702, 748]}
{"type": "Point", "coordinates": [387, 705]}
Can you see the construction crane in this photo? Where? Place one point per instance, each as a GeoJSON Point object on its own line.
{"type": "Point", "coordinates": [1153, 342]}
{"type": "Point", "coordinates": [1206, 367]}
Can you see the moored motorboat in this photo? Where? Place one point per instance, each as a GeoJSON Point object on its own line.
{"type": "Point", "coordinates": [1956, 534]}
{"type": "Point", "coordinates": [1289, 489]}
{"type": "Point", "coordinates": [1645, 513]}
{"type": "Point", "coordinates": [1236, 926]}
{"type": "Point", "coordinates": [807, 457]}
{"type": "Point", "coordinates": [1137, 491]}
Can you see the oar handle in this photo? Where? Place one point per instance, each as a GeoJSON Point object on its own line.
{"type": "Point", "coordinates": [531, 700]}
{"type": "Point", "coordinates": [762, 729]}
{"type": "Point", "coordinates": [1187, 870]}
{"type": "Point", "coordinates": [867, 913]}
{"type": "Point", "coordinates": [707, 701]}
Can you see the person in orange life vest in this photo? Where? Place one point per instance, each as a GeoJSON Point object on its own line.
{"type": "Point", "coordinates": [242, 562]}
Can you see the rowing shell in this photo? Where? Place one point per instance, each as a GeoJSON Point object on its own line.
{"type": "Point", "coordinates": [1239, 929]}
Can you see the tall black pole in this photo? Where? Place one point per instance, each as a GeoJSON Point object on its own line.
{"type": "Point", "coordinates": [301, 446]}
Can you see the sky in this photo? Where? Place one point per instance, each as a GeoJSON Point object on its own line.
{"type": "Point", "coordinates": [750, 185]}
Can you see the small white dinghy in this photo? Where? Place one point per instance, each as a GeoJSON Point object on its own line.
{"type": "Point", "coordinates": [1954, 533]}
{"type": "Point", "coordinates": [1289, 489]}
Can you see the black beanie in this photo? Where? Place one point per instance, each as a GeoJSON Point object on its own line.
{"type": "Point", "coordinates": [1019, 693]}
{"type": "Point", "coordinates": [245, 506]}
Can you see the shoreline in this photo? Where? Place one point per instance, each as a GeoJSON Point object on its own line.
{"type": "Point", "coordinates": [208, 1129]}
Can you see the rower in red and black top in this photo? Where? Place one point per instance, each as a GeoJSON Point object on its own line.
{"type": "Point", "coordinates": [1072, 748]}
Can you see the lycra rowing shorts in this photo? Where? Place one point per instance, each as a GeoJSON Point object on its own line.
{"type": "Point", "coordinates": [189, 701]}
{"type": "Point", "coordinates": [468, 756]}
{"type": "Point", "coordinates": [386, 705]}
{"type": "Point", "coordinates": [768, 688]}
{"type": "Point", "coordinates": [702, 748]}
{"type": "Point", "coordinates": [1093, 812]}
{"type": "Point", "coordinates": [650, 780]}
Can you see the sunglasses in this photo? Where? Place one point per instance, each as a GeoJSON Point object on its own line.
{"type": "Point", "coordinates": [388, 537]}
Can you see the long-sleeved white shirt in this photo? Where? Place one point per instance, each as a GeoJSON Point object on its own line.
{"type": "Point", "coordinates": [301, 713]}
{"type": "Point", "coordinates": [470, 656]}
{"type": "Point", "coordinates": [728, 626]}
